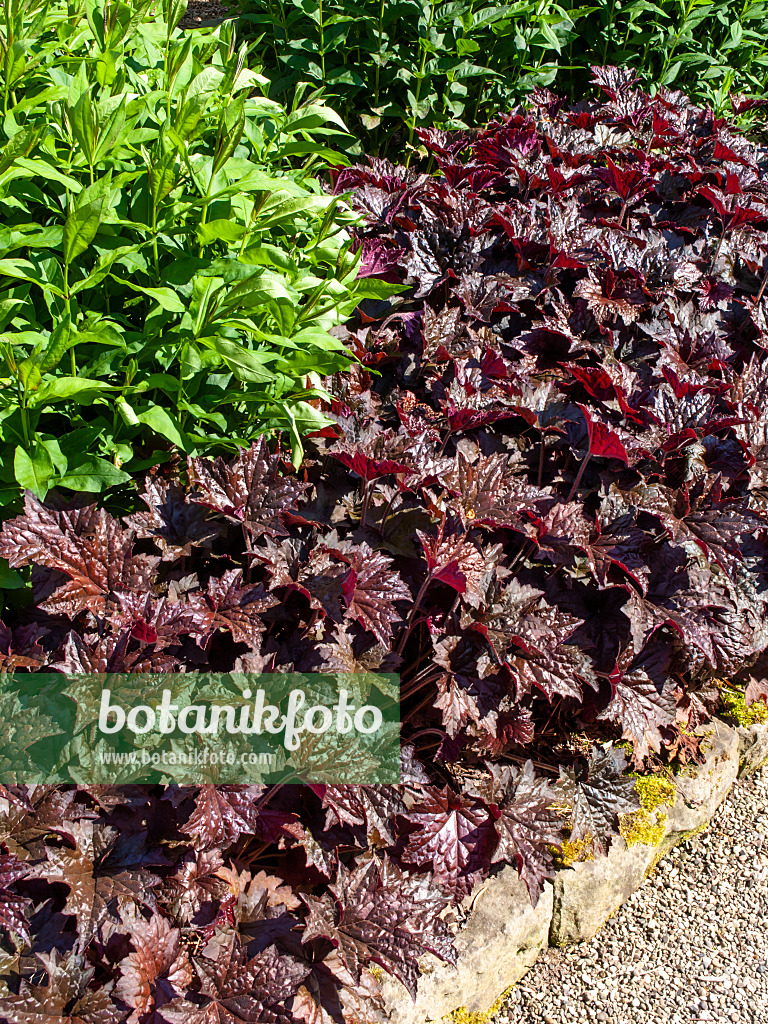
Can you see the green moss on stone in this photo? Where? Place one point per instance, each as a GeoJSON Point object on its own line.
{"type": "Point", "coordinates": [736, 708]}
{"type": "Point", "coordinates": [654, 792]}
{"type": "Point", "coordinates": [463, 1016]}
{"type": "Point", "coordinates": [648, 828]}
{"type": "Point", "coordinates": [648, 825]}
{"type": "Point", "coordinates": [574, 851]}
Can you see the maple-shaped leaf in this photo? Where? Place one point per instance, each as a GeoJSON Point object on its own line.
{"type": "Point", "coordinates": [596, 795]}
{"type": "Point", "coordinates": [378, 258]}
{"type": "Point", "coordinates": [559, 671]}
{"type": "Point", "coordinates": [86, 545]}
{"type": "Point", "coordinates": [525, 823]}
{"type": "Point", "coordinates": [514, 619]}
{"type": "Point", "coordinates": [643, 698]}
{"type": "Point", "coordinates": [175, 525]}
{"type": "Point", "coordinates": [686, 602]}
{"type": "Point", "coordinates": [157, 971]}
{"type": "Point", "coordinates": [615, 82]}
{"type": "Point", "coordinates": [330, 995]}
{"type": "Point", "coordinates": [239, 989]}
{"type": "Point", "coordinates": [13, 657]}
{"type": "Point", "coordinates": [733, 209]}
{"type": "Point", "coordinates": [13, 916]}
{"type": "Point", "coordinates": [194, 882]}
{"type": "Point", "coordinates": [161, 623]}
{"type": "Point", "coordinates": [371, 589]}
{"type": "Point", "coordinates": [310, 570]}
{"type": "Point", "coordinates": [489, 492]}
{"type": "Point", "coordinates": [45, 812]}
{"type": "Point", "coordinates": [513, 726]}
{"type": "Point", "coordinates": [440, 252]}
{"type": "Point", "coordinates": [467, 407]}
{"type": "Point", "coordinates": [251, 490]}
{"type": "Point", "coordinates": [372, 452]}
{"type": "Point", "coordinates": [530, 636]}
{"type": "Point", "coordinates": [372, 807]}
{"type": "Point", "coordinates": [563, 533]}
{"type": "Point", "coordinates": [444, 334]}
{"type": "Point", "coordinates": [22, 726]}
{"type": "Point", "coordinates": [455, 559]}
{"type": "Point", "coordinates": [740, 104]}
{"type": "Point", "coordinates": [453, 837]}
{"type": "Point", "coordinates": [222, 814]}
{"type": "Point", "coordinates": [619, 544]}
{"type": "Point", "coordinates": [110, 653]}
{"type": "Point", "coordinates": [66, 999]}
{"type": "Point", "coordinates": [609, 296]}
{"type": "Point", "coordinates": [684, 746]}
{"type": "Point", "coordinates": [716, 527]}
{"type": "Point", "coordinates": [472, 688]}
{"type": "Point", "coordinates": [237, 608]}
{"type": "Point", "coordinates": [92, 886]}
{"type": "Point", "coordinates": [627, 183]}
{"type": "Point", "coordinates": [455, 704]}
{"type": "Point", "coordinates": [382, 915]}
{"type": "Point", "coordinates": [353, 651]}
{"type": "Point", "coordinates": [257, 906]}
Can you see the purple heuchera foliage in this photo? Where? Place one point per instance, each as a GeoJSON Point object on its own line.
{"type": "Point", "coordinates": [545, 509]}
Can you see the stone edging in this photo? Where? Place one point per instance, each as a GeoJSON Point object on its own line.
{"type": "Point", "coordinates": [503, 934]}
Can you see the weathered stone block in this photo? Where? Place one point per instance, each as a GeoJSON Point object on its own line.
{"type": "Point", "coordinates": [753, 748]}
{"type": "Point", "coordinates": [503, 934]}
{"type": "Point", "coordinates": [701, 791]}
{"type": "Point", "coordinates": [497, 944]}
{"type": "Point", "coordinates": [586, 894]}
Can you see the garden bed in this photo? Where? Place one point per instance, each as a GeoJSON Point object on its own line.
{"type": "Point", "coordinates": [491, 422]}
{"type": "Point", "coordinates": [502, 935]}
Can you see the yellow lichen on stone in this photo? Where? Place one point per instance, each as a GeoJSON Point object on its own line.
{"type": "Point", "coordinates": [648, 825]}
{"type": "Point", "coordinates": [377, 972]}
{"type": "Point", "coordinates": [574, 851]}
{"type": "Point", "coordinates": [736, 707]}
{"type": "Point", "coordinates": [643, 827]}
{"type": "Point", "coordinates": [654, 792]}
{"type": "Point", "coordinates": [464, 1016]}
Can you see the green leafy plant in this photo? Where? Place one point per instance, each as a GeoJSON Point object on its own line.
{"type": "Point", "coordinates": [169, 268]}
{"type": "Point", "coordinates": [705, 46]}
{"type": "Point", "coordinates": [391, 67]}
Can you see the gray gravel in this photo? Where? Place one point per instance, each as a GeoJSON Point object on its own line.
{"type": "Point", "coordinates": [690, 945]}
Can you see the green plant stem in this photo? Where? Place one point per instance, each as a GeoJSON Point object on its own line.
{"type": "Point", "coordinates": [606, 29]}
{"type": "Point", "coordinates": [380, 39]}
{"type": "Point", "coordinates": [155, 253]}
{"type": "Point", "coordinates": [68, 309]}
{"type": "Point", "coordinates": [321, 26]}
{"type": "Point", "coordinates": [681, 28]}
{"type": "Point", "coordinates": [423, 43]}
{"type": "Point", "coordinates": [23, 412]}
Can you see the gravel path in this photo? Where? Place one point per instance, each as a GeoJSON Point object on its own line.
{"type": "Point", "coordinates": [690, 945]}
